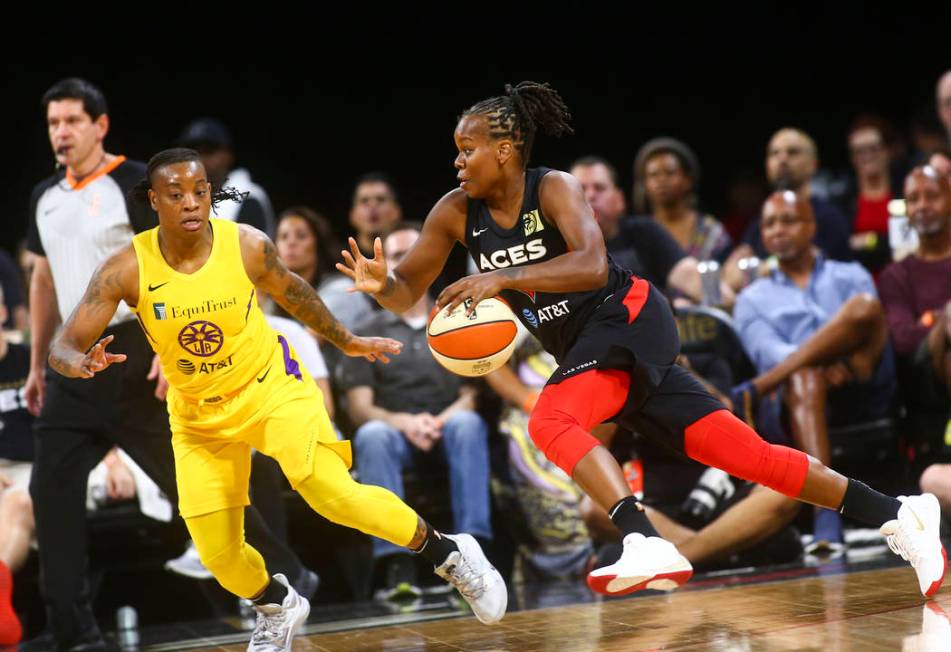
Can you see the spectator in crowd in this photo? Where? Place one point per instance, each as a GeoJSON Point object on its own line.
{"type": "Point", "coordinates": [307, 245]}
{"type": "Point", "coordinates": [666, 174]}
{"type": "Point", "coordinates": [637, 244]}
{"type": "Point", "coordinates": [375, 209]}
{"type": "Point", "coordinates": [213, 142]}
{"type": "Point", "coordinates": [791, 162]}
{"type": "Point", "coordinates": [869, 152]}
{"type": "Point", "coordinates": [413, 408]}
{"type": "Point", "coordinates": [916, 293]}
{"type": "Point", "coordinates": [80, 420]}
{"type": "Point", "coordinates": [815, 328]}
{"type": "Point", "coordinates": [943, 102]}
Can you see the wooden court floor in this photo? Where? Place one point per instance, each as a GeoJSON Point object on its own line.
{"type": "Point", "coordinates": [868, 610]}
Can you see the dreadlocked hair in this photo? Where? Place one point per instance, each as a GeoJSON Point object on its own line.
{"type": "Point", "coordinates": [521, 111]}
{"type": "Point", "coordinates": [140, 191]}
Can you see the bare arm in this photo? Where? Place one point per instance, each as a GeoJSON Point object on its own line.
{"type": "Point", "coordinates": [44, 313]}
{"type": "Point", "coordinates": [506, 383]}
{"type": "Point", "coordinates": [399, 290]}
{"type": "Point", "coordinates": [72, 353]}
{"type": "Point", "coordinates": [585, 265]}
{"type": "Point", "coordinates": [466, 401]}
{"type": "Point", "coordinates": [421, 430]}
{"type": "Point", "coordinates": [44, 317]}
{"type": "Point", "coordinates": [361, 407]}
{"type": "Point", "coordinates": [297, 297]}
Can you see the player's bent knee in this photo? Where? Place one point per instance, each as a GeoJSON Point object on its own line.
{"type": "Point", "coordinates": [562, 440]}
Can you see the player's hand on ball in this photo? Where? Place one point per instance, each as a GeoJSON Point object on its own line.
{"type": "Point", "coordinates": [373, 348]}
{"type": "Point", "coordinates": [476, 287]}
{"type": "Point", "coordinates": [98, 358]}
{"type": "Point", "coordinates": [368, 275]}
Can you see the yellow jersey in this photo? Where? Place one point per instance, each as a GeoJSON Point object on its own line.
{"type": "Point", "coordinates": [206, 327]}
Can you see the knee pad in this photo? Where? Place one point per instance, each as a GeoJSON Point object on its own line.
{"type": "Point", "coordinates": [723, 441]}
{"type": "Point", "coordinates": [558, 436]}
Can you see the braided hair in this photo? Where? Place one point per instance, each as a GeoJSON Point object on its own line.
{"type": "Point", "coordinates": [521, 111]}
{"type": "Point", "coordinates": [140, 191]}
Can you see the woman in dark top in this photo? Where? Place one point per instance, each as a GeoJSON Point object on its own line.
{"type": "Point", "coordinates": [535, 241]}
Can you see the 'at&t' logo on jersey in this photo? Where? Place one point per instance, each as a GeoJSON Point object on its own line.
{"type": "Point", "coordinates": [201, 338]}
{"type": "Point", "coordinates": [188, 367]}
{"type": "Point", "coordinates": [523, 253]}
{"type": "Point", "coordinates": [553, 311]}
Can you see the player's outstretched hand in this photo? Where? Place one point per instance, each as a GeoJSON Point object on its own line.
{"type": "Point", "coordinates": [367, 275]}
{"type": "Point", "coordinates": [476, 287]}
{"type": "Point", "coordinates": [98, 358]}
{"type": "Point", "coordinates": [373, 348]}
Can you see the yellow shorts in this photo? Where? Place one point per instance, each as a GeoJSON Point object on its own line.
{"type": "Point", "coordinates": [279, 414]}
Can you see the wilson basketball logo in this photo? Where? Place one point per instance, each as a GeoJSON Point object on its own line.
{"type": "Point", "coordinates": [201, 338]}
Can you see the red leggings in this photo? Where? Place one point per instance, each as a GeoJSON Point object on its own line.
{"type": "Point", "coordinates": [561, 423]}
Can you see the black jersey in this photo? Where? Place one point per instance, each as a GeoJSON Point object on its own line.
{"type": "Point", "coordinates": [555, 318]}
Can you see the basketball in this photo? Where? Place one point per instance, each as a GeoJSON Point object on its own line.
{"type": "Point", "coordinates": [476, 344]}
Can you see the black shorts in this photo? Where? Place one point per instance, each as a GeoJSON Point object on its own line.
{"type": "Point", "coordinates": [664, 398]}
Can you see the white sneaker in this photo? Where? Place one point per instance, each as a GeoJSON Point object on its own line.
{"type": "Point", "coordinates": [277, 624]}
{"type": "Point", "coordinates": [475, 578]}
{"type": "Point", "coordinates": [645, 563]}
{"type": "Point", "coordinates": [914, 536]}
{"type": "Point", "coordinates": [189, 564]}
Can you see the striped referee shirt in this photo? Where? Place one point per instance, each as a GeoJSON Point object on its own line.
{"type": "Point", "coordinates": [76, 226]}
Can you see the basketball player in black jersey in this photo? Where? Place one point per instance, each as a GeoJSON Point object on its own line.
{"type": "Point", "coordinates": [536, 243]}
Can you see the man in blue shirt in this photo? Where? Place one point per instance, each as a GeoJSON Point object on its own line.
{"type": "Point", "coordinates": [791, 162]}
{"type": "Point", "coordinates": [815, 329]}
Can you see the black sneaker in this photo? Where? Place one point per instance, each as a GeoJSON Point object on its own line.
{"type": "Point", "coordinates": [401, 583]}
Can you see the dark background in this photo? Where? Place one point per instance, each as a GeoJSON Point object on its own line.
{"type": "Point", "coordinates": [314, 99]}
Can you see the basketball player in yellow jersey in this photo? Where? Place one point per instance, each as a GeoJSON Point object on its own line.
{"type": "Point", "coordinates": [234, 385]}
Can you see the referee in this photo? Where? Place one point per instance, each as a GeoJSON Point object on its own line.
{"type": "Point", "coordinates": [78, 217]}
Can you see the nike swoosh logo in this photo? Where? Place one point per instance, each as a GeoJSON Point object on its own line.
{"type": "Point", "coordinates": [261, 379]}
{"type": "Point", "coordinates": [476, 234]}
{"type": "Point", "coordinates": [153, 288]}
{"type": "Point", "coordinates": [921, 525]}
{"type": "Point", "coordinates": [50, 210]}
